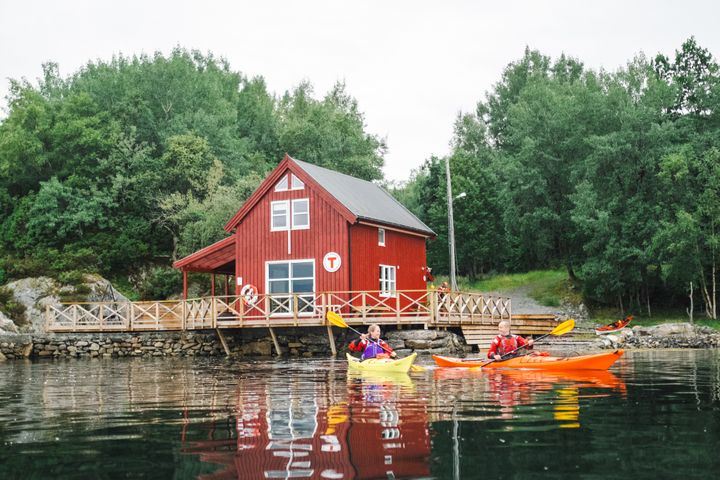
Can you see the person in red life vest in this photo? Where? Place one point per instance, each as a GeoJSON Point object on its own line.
{"type": "Point", "coordinates": [507, 345]}
{"type": "Point", "coordinates": [371, 345]}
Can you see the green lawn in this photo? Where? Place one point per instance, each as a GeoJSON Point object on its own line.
{"type": "Point", "coordinates": [547, 287]}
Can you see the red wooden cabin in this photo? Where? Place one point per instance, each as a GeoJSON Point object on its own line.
{"type": "Point", "coordinates": [309, 229]}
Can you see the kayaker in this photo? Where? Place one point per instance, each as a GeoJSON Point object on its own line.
{"type": "Point", "coordinates": [371, 345]}
{"type": "Point", "coordinates": [507, 345]}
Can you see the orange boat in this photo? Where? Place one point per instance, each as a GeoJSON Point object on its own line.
{"type": "Point", "coordinates": [598, 361]}
{"type": "Point", "coordinates": [615, 326]}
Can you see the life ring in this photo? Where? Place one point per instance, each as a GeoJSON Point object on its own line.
{"type": "Point", "coordinates": [249, 294]}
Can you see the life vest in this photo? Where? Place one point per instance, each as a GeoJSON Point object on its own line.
{"type": "Point", "coordinates": [372, 350]}
{"type": "Point", "coordinates": [506, 344]}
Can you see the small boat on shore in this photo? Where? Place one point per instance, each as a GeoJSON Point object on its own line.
{"type": "Point", "coordinates": [598, 361]}
{"type": "Point", "coordinates": [400, 365]}
{"type": "Point", "coordinates": [614, 327]}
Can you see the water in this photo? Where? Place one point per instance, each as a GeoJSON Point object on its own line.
{"type": "Point", "coordinates": [655, 415]}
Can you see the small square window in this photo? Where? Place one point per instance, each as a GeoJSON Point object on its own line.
{"type": "Point", "coordinates": [381, 237]}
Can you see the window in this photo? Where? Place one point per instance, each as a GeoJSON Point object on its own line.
{"type": "Point", "coordinates": [297, 184]}
{"type": "Point", "coordinates": [287, 278]}
{"type": "Point", "coordinates": [280, 213]}
{"type": "Point", "coordinates": [301, 214]}
{"type": "Point", "coordinates": [282, 185]}
{"type": "Point", "coordinates": [381, 237]}
{"type": "Point", "coordinates": [388, 284]}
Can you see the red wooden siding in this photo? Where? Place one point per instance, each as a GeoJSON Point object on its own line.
{"type": "Point", "coordinates": [256, 244]}
{"type": "Point", "coordinates": [404, 251]}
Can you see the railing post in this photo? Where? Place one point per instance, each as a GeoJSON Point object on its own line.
{"type": "Point", "coordinates": [295, 308]}
{"type": "Point", "coordinates": [183, 324]}
{"type": "Point", "coordinates": [242, 311]}
{"type": "Point", "coordinates": [47, 318]}
{"type": "Point", "coordinates": [433, 307]}
{"type": "Point", "coordinates": [214, 309]}
{"type": "Point", "coordinates": [364, 306]}
{"type": "Point", "coordinates": [397, 306]}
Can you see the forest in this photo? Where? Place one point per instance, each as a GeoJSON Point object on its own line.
{"type": "Point", "coordinates": [614, 176]}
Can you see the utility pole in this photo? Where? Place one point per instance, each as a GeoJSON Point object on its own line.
{"type": "Point", "coordinates": [451, 227]}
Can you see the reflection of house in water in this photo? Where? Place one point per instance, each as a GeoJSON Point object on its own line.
{"type": "Point", "coordinates": [285, 432]}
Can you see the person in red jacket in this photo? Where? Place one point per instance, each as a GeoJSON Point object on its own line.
{"type": "Point", "coordinates": [371, 345]}
{"type": "Point", "coordinates": [507, 345]}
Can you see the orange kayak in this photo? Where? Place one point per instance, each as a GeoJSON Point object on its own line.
{"type": "Point", "coordinates": [598, 361]}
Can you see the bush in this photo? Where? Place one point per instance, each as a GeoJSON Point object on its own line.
{"type": "Point", "coordinates": [14, 310]}
{"type": "Point", "coordinates": [160, 283]}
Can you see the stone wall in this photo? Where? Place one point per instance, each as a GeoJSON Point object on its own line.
{"type": "Point", "coordinates": [308, 342]}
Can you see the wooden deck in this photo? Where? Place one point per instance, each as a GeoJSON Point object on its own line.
{"type": "Point", "coordinates": [428, 309]}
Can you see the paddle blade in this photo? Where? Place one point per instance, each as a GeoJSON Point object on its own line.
{"type": "Point", "coordinates": [563, 328]}
{"type": "Point", "coordinates": [416, 368]}
{"type": "Point", "coordinates": [336, 319]}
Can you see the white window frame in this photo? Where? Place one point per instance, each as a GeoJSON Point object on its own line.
{"type": "Point", "coordinates": [293, 180]}
{"type": "Point", "coordinates": [273, 228]}
{"type": "Point", "coordinates": [388, 287]}
{"type": "Point", "coordinates": [292, 214]}
{"type": "Point", "coordinates": [286, 179]}
{"type": "Point", "coordinates": [290, 279]}
{"type": "Point", "coordinates": [381, 233]}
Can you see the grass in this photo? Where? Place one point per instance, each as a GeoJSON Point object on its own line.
{"type": "Point", "coordinates": [547, 287]}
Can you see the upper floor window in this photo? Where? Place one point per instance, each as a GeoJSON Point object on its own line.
{"type": "Point", "coordinates": [280, 215]}
{"type": "Point", "coordinates": [290, 215]}
{"type": "Point", "coordinates": [381, 237]}
{"type": "Point", "coordinates": [297, 184]}
{"type": "Point", "coordinates": [282, 185]}
{"type": "Point", "coordinates": [300, 214]}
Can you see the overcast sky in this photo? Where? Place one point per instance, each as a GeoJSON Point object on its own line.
{"type": "Point", "coordinates": [412, 65]}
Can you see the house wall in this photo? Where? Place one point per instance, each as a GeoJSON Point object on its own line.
{"type": "Point", "coordinates": [256, 244]}
{"type": "Point", "coordinates": [405, 251]}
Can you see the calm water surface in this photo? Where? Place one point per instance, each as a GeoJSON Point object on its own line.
{"type": "Point", "coordinates": [654, 415]}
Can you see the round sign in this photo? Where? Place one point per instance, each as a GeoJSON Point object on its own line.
{"type": "Point", "coordinates": [249, 294]}
{"type": "Point", "coordinates": [332, 262]}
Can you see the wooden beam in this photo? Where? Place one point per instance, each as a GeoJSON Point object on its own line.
{"type": "Point", "coordinates": [275, 341]}
{"type": "Point", "coordinates": [185, 285]}
{"type": "Point", "coordinates": [223, 341]}
{"type": "Point", "coordinates": [331, 337]}
{"type": "Point", "coordinates": [212, 284]}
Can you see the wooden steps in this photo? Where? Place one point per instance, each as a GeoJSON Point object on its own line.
{"type": "Point", "coordinates": [525, 325]}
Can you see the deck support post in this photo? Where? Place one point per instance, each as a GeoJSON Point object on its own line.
{"type": "Point", "coordinates": [212, 284]}
{"type": "Point", "coordinates": [331, 337]}
{"type": "Point", "coordinates": [223, 341]}
{"type": "Point", "coordinates": [185, 285]}
{"type": "Point", "coordinates": [275, 341]}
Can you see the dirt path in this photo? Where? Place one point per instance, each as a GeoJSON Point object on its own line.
{"type": "Point", "coordinates": [522, 303]}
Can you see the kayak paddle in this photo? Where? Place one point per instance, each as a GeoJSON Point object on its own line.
{"type": "Point", "coordinates": [561, 329]}
{"type": "Point", "coordinates": [338, 321]}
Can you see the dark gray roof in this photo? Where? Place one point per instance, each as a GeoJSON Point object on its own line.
{"type": "Point", "coordinates": [364, 199]}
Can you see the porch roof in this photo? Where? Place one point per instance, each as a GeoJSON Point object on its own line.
{"type": "Point", "coordinates": [216, 258]}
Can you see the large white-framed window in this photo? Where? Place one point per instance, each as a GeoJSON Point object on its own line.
{"type": "Point", "coordinates": [301, 214]}
{"type": "Point", "coordinates": [296, 183]}
{"type": "Point", "coordinates": [282, 185]}
{"type": "Point", "coordinates": [381, 237]}
{"type": "Point", "coordinates": [286, 278]}
{"type": "Point", "coordinates": [388, 280]}
{"type": "Point", "coordinates": [279, 216]}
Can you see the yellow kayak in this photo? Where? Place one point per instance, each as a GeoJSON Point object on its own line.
{"type": "Point", "coordinates": [401, 365]}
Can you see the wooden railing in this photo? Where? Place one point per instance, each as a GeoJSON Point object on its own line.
{"type": "Point", "coordinates": [421, 307]}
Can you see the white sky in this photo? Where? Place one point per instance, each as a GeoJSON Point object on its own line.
{"type": "Point", "coordinates": [412, 65]}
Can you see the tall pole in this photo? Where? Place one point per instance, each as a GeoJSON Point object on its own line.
{"type": "Point", "coordinates": [451, 227]}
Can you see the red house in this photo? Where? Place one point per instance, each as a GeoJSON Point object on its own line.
{"type": "Point", "coordinates": [307, 229]}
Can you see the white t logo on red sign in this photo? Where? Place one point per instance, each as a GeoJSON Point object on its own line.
{"type": "Point", "coordinates": [332, 262]}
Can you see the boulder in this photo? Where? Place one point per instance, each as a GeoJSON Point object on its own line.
{"type": "Point", "coordinates": [7, 325]}
{"type": "Point", "coordinates": [406, 335]}
{"type": "Point", "coordinates": [671, 329]}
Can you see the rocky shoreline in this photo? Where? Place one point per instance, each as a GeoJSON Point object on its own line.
{"type": "Point", "coordinates": [668, 335]}
{"type": "Point", "coordinates": [307, 343]}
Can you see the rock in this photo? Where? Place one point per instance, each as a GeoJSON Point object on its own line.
{"type": "Point", "coordinates": [7, 325]}
{"type": "Point", "coordinates": [2, 357]}
{"type": "Point", "coordinates": [35, 294]}
{"type": "Point", "coordinates": [667, 329]}
{"type": "Point", "coordinates": [413, 335]}
{"type": "Point", "coordinates": [94, 347]}
{"type": "Point", "coordinates": [418, 344]}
